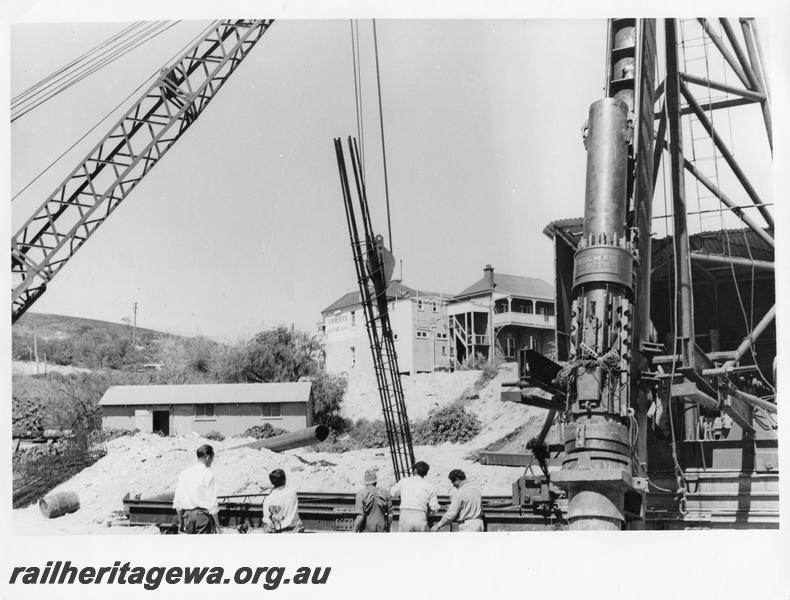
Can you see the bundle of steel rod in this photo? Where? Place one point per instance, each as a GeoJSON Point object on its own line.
{"type": "Point", "coordinates": [373, 264]}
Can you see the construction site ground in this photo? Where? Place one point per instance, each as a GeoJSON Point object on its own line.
{"type": "Point", "coordinates": [148, 465]}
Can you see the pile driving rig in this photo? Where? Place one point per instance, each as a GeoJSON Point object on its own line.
{"type": "Point", "coordinates": [661, 426]}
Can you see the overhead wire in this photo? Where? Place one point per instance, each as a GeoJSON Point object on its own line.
{"type": "Point", "coordinates": [38, 84]}
{"type": "Point", "coordinates": [86, 71]}
{"type": "Point", "coordinates": [153, 75]}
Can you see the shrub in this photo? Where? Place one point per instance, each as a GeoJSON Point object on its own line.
{"type": "Point", "coordinates": [448, 424]}
{"type": "Point", "coordinates": [369, 434]}
{"type": "Point", "coordinates": [214, 436]}
{"type": "Point", "coordinates": [111, 434]}
{"type": "Point", "coordinates": [262, 432]}
{"type": "Point", "coordinates": [489, 372]}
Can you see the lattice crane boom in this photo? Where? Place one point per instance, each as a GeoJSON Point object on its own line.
{"type": "Point", "coordinates": [65, 221]}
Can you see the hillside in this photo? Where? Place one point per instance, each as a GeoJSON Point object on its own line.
{"type": "Point", "coordinates": [86, 343]}
{"type": "Point", "coordinates": [58, 327]}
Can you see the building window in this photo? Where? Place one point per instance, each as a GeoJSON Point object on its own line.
{"type": "Point", "coordinates": [353, 318]}
{"type": "Point", "coordinates": [271, 410]}
{"type": "Point", "coordinates": [422, 334]}
{"type": "Point", "coordinates": [353, 357]}
{"type": "Point", "coordinates": [420, 305]}
{"type": "Point", "coordinates": [532, 343]}
{"type": "Point", "coordinates": [435, 306]}
{"type": "Point", "coordinates": [395, 337]}
{"type": "Point", "coordinates": [510, 346]}
{"type": "Point", "coordinates": [444, 350]}
{"type": "Point", "coordinates": [204, 412]}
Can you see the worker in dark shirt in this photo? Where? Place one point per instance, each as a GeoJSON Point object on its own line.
{"type": "Point", "coordinates": [373, 506]}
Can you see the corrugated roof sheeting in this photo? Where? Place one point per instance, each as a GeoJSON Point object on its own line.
{"type": "Point", "coordinates": [510, 285]}
{"type": "Point", "coordinates": [231, 393]}
{"type": "Point", "coordinates": [738, 243]}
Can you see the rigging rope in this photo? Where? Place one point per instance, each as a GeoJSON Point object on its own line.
{"type": "Point", "coordinates": [381, 123]}
{"type": "Point", "coordinates": [85, 71]}
{"type": "Point", "coordinates": [19, 97]}
{"type": "Point", "coordinates": [180, 51]}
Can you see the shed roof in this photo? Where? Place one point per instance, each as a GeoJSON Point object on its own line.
{"type": "Point", "coordinates": [220, 393]}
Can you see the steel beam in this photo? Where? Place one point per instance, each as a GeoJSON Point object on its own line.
{"type": "Point", "coordinates": [728, 202]}
{"type": "Point", "coordinates": [684, 325]}
{"type": "Point", "coordinates": [720, 259]}
{"type": "Point", "coordinates": [739, 54]}
{"type": "Point", "coordinates": [725, 52]}
{"type": "Point", "coordinates": [749, 340]}
{"type": "Point", "coordinates": [762, 84]}
{"type": "Point", "coordinates": [753, 39]}
{"type": "Point", "coordinates": [722, 87]}
{"type": "Point", "coordinates": [754, 401]}
{"type": "Point", "coordinates": [727, 155]}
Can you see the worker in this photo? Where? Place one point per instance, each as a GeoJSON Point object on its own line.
{"type": "Point", "coordinates": [281, 507]}
{"type": "Point", "coordinates": [466, 505]}
{"type": "Point", "coordinates": [195, 499]}
{"type": "Point", "coordinates": [417, 499]}
{"type": "Point", "coordinates": [373, 506]}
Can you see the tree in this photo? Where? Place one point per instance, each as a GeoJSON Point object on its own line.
{"type": "Point", "coordinates": [279, 354]}
{"type": "Point", "coordinates": [328, 391]}
{"type": "Point", "coordinates": [284, 354]}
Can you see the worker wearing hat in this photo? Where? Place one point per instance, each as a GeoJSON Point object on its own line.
{"type": "Point", "coordinates": [373, 506]}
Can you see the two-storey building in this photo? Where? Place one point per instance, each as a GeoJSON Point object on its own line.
{"type": "Point", "coordinates": [503, 312]}
{"type": "Point", "coordinates": [419, 324]}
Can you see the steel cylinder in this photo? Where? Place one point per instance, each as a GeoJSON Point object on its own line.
{"type": "Point", "coordinates": [293, 439]}
{"type": "Point", "coordinates": [59, 504]}
{"type": "Point", "coordinates": [607, 170]}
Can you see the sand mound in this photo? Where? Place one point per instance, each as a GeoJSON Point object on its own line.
{"type": "Point", "coordinates": [422, 392]}
{"type": "Point", "coordinates": [148, 465]}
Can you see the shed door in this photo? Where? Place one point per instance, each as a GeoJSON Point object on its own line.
{"type": "Point", "coordinates": [143, 420]}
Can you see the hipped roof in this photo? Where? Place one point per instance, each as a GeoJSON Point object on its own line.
{"type": "Point", "coordinates": [510, 285]}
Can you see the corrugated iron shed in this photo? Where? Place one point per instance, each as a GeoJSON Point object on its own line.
{"type": "Point", "coordinates": [230, 393]}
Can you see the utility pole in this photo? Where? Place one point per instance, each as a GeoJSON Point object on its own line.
{"type": "Point", "coordinates": [134, 325]}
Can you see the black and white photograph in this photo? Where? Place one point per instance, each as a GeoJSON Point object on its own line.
{"type": "Point", "coordinates": [476, 279]}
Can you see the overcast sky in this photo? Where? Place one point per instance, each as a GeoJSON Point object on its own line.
{"type": "Point", "coordinates": [241, 226]}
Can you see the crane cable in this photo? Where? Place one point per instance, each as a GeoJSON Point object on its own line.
{"type": "Point", "coordinates": [202, 33]}
{"type": "Point", "coordinates": [64, 80]}
{"type": "Point", "coordinates": [381, 123]}
{"type": "Point", "coordinates": [358, 90]}
{"type": "Point", "coordinates": [87, 70]}
{"type": "Point", "coordinates": [21, 96]}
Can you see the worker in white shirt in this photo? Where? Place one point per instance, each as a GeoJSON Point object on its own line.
{"type": "Point", "coordinates": [195, 499]}
{"type": "Point", "coordinates": [417, 498]}
{"type": "Point", "coordinates": [281, 506]}
{"type": "Point", "coordinates": [466, 505]}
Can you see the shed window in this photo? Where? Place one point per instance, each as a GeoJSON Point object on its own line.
{"type": "Point", "coordinates": [204, 412]}
{"type": "Point", "coordinates": [271, 410]}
